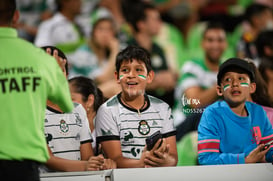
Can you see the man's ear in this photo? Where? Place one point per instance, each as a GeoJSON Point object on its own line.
{"type": "Point", "coordinates": [219, 90]}
{"type": "Point", "coordinates": [150, 77]}
{"type": "Point", "coordinates": [15, 17]}
{"type": "Point", "coordinates": [252, 87]}
{"type": "Point", "coordinates": [117, 77]}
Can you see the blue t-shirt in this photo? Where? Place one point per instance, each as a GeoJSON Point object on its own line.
{"type": "Point", "coordinates": [226, 138]}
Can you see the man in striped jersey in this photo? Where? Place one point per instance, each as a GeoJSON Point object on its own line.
{"type": "Point", "coordinates": [234, 131]}
{"type": "Point", "coordinates": [127, 119]}
{"type": "Point", "coordinates": [198, 79]}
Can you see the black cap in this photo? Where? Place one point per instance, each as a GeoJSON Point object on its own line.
{"type": "Point", "coordinates": [245, 65]}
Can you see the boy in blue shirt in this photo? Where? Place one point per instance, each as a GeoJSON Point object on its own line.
{"type": "Point", "coordinates": [233, 130]}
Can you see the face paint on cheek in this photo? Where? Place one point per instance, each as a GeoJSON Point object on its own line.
{"type": "Point", "coordinates": [226, 87]}
{"type": "Point", "coordinates": [142, 76]}
{"type": "Point", "coordinates": [244, 84]}
{"type": "Point", "coordinates": [121, 77]}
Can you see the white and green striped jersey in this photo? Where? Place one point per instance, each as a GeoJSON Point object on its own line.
{"type": "Point", "coordinates": [65, 132]}
{"type": "Point", "coordinates": [116, 121]}
{"type": "Point", "coordinates": [195, 73]}
{"type": "Point", "coordinates": [60, 32]}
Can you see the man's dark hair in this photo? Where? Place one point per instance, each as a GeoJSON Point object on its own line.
{"type": "Point", "coordinates": [86, 86]}
{"type": "Point", "coordinates": [135, 11]}
{"type": "Point", "coordinates": [265, 38]}
{"type": "Point", "coordinates": [255, 9]}
{"type": "Point", "coordinates": [213, 25]}
{"type": "Point", "coordinates": [59, 5]}
{"type": "Point", "coordinates": [60, 54]}
{"type": "Point", "coordinates": [7, 9]}
{"type": "Point", "coordinates": [133, 52]}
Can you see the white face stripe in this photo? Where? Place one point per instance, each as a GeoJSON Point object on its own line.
{"type": "Point", "coordinates": [226, 87]}
{"type": "Point", "coordinates": [244, 84]}
{"type": "Point", "coordinates": [142, 76]}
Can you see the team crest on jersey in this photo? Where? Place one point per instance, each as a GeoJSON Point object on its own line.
{"type": "Point", "coordinates": [143, 127]}
{"type": "Point", "coordinates": [63, 126]}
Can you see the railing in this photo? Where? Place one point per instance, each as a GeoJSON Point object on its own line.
{"type": "Point", "coordinates": [244, 172]}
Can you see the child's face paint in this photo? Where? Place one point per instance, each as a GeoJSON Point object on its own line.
{"type": "Point", "coordinates": [121, 77]}
{"type": "Point", "coordinates": [226, 87]}
{"type": "Point", "coordinates": [142, 76]}
{"type": "Point", "coordinates": [244, 84]}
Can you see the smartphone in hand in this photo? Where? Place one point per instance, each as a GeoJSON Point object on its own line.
{"type": "Point", "coordinates": [267, 145]}
{"type": "Point", "coordinates": [151, 140]}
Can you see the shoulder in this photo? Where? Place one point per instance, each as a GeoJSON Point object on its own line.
{"type": "Point", "coordinates": [157, 103]}
{"type": "Point", "coordinates": [57, 21]}
{"type": "Point", "coordinates": [255, 110]}
{"type": "Point", "coordinates": [212, 115]}
{"type": "Point", "coordinates": [36, 55]}
{"type": "Point", "coordinates": [253, 106]}
{"type": "Point", "coordinates": [214, 108]}
{"type": "Point", "coordinates": [157, 47]}
{"type": "Point", "coordinates": [57, 18]}
{"type": "Point", "coordinates": [78, 108]}
{"type": "Point", "coordinates": [111, 103]}
{"type": "Point", "coordinates": [268, 109]}
{"type": "Point", "coordinates": [191, 65]}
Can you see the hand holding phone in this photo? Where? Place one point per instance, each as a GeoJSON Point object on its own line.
{"type": "Point", "coordinates": [267, 145]}
{"type": "Point", "coordinates": [151, 140]}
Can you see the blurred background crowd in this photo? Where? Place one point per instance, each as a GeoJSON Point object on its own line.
{"type": "Point", "coordinates": [187, 40]}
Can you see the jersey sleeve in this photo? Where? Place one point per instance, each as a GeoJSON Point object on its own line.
{"type": "Point", "coordinates": [85, 132]}
{"type": "Point", "coordinates": [106, 125]}
{"type": "Point", "coordinates": [187, 80]}
{"type": "Point", "coordinates": [209, 139]}
{"type": "Point", "coordinates": [42, 37]}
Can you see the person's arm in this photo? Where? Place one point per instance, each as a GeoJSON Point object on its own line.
{"type": "Point", "coordinates": [112, 150]}
{"type": "Point", "coordinates": [205, 96]}
{"type": "Point", "coordinates": [189, 86]}
{"type": "Point", "coordinates": [85, 135]}
{"type": "Point", "coordinates": [165, 80]}
{"type": "Point", "coordinates": [108, 72]}
{"type": "Point", "coordinates": [209, 139]}
{"type": "Point", "coordinates": [65, 165]}
{"type": "Point", "coordinates": [86, 151]}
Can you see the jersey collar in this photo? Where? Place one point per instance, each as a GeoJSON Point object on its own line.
{"type": "Point", "coordinates": [8, 32]}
